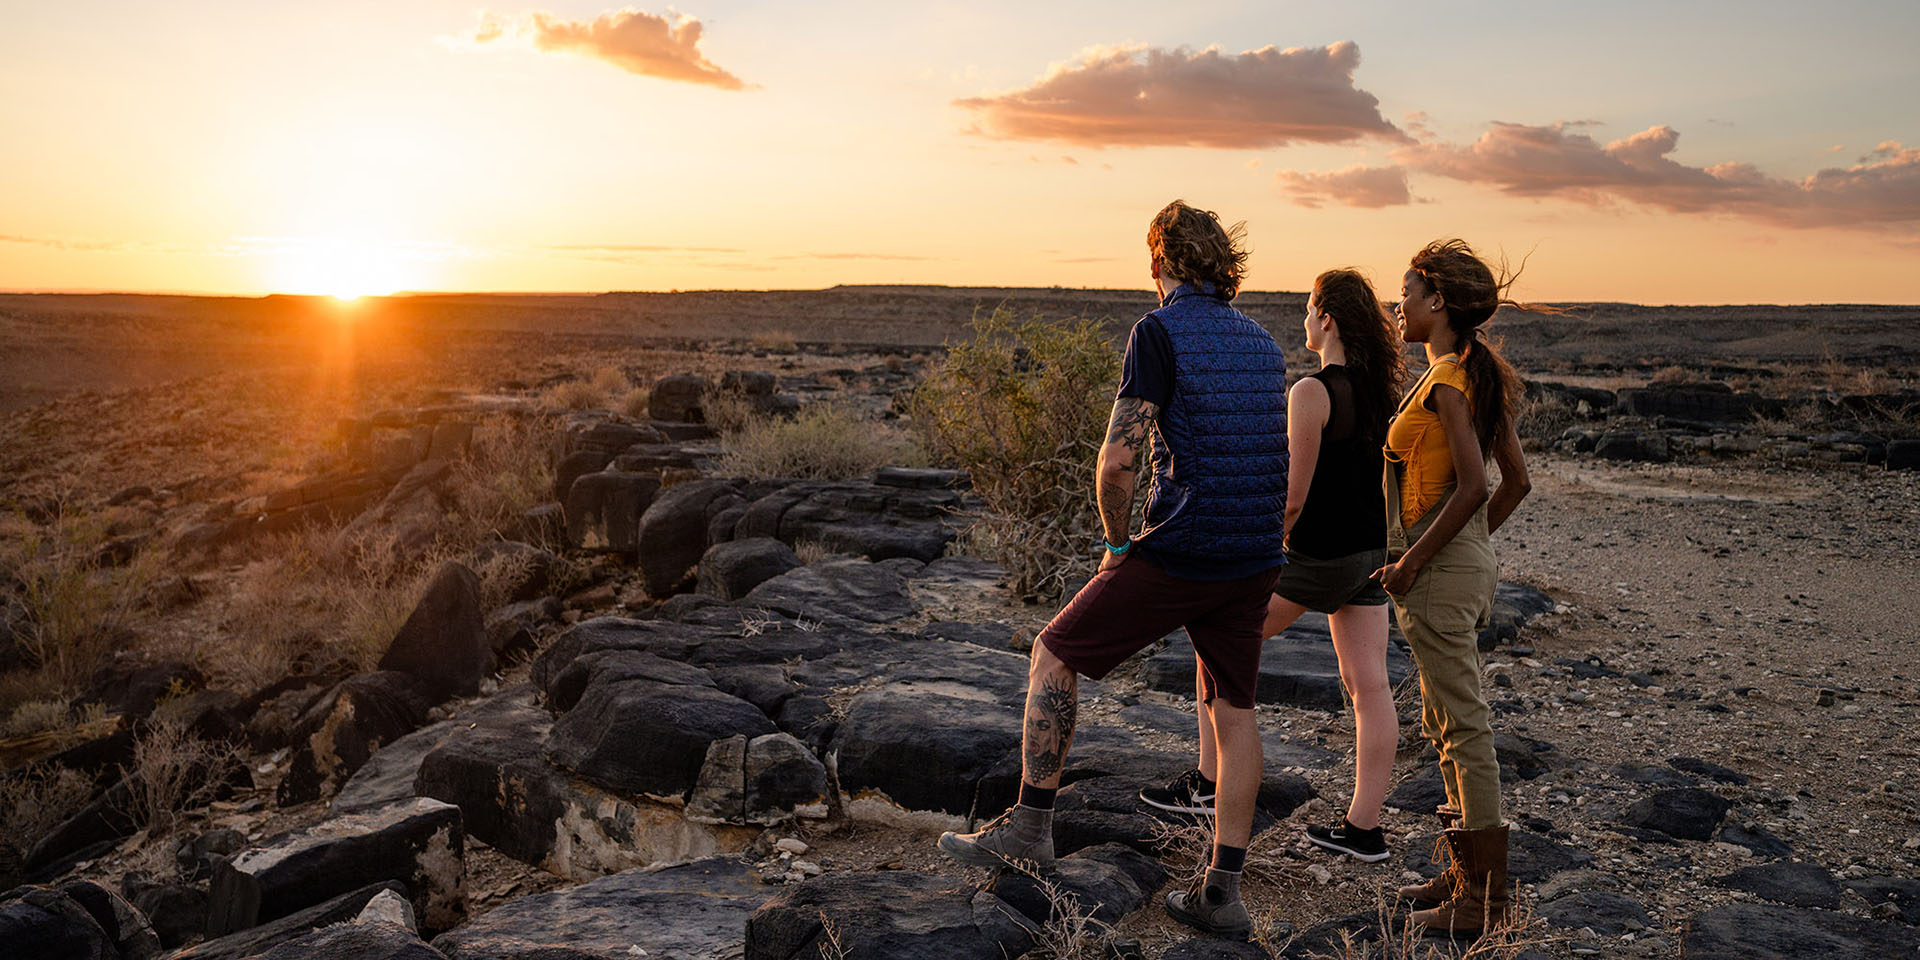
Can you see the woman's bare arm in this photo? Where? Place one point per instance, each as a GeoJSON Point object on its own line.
{"type": "Point", "coordinates": [1307, 410]}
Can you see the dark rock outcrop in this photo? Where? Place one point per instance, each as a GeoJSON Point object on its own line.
{"type": "Point", "coordinates": [899, 916]}
{"type": "Point", "coordinates": [673, 532]}
{"type": "Point", "coordinates": [642, 736]}
{"type": "Point", "coordinates": [729, 571]}
{"type": "Point", "coordinates": [254, 940]}
{"type": "Point", "coordinates": [345, 725]}
{"type": "Point", "coordinates": [1750, 931]}
{"type": "Point", "coordinates": [695, 911]}
{"type": "Point", "coordinates": [604, 509]}
{"type": "Point", "coordinates": [443, 643]}
{"type": "Point", "coordinates": [924, 751]}
{"type": "Point", "coordinates": [1685, 814]}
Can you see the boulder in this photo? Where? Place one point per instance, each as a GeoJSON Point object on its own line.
{"type": "Point", "coordinates": [410, 514]}
{"type": "Point", "coordinates": [255, 940]}
{"type": "Point", "coordinates": [1632, 445]}
{"type": "Point", "coordinates": [728, 571]}
{"type": "Point", "coordinates": [679, 398]}
{"type": "Point", "coordinates": [615, 666]}
{"type": "Point", "coordinates": [924, 751]}
{"type": "Point", "coordinates": [1788, 882]}
{"type": "Point", "coordinates": [765, 780]}
{"type": "Point", "coordinates": [125, 926]}
{"type": "Point", "coordinates": [1901, 893]}
{"type": "Point", "coordinates": [178, 912]}
{"type": "Point", "coordinates": [443, 643]}
{"type": "Point", "coordinates": [1106, 882]}
{"type": "Point", "coordinates": [837, 589]}
{"type": "Point", "coordinates": [344, 726]}
{"type": "Point", "coordinates": [673, 532]}
{"type": "Point", "coordinates": [40, 923]}
{"type": "Point", "coordinates": [1903, 454]}
{"type": "Point", "coordinates": [419, 842]}
{"type": "Point", "coordinates": [1755, 838]}
{"type": "Point", "coordinates": [375, 940]}
{"type": "Point", "coordinates": [1607, 914]}
{"type": "Point", "coordinates": [886, 916]}
{"type": "Point", "coordinates": [1751, 931]}
{"type": "Point", "coordinates": [575, 465]}
{"type": "Point", "coordinates": [1687, 814]}
{"type": "Point", "coordinates": [695, 911]}
{"type": "Point", "coordinates": [604, 509]}
{"type": "Point", "coordinates": [512, 631]}
{"type": "Point", "coordinates": [643, 736]}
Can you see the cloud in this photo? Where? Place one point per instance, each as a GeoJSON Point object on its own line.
{"type": "Point", "coordinates": [849, 256]}
{"type": "Point", "coordinates": [1142, 96]}
{"type": "Point", "coordinates": [665, 46]}
{"type": "Point", "coordinates": [1356, 186]}
{"type": "Point", "coordinates": [1882, 190]}
{"type": "Point", "coordinates": [1540, 161]}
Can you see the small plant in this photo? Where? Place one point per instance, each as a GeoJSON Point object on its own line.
{"type": "Point", "coordinates": [1673, 374]}
{"type": "Point", "coordinates": [822, 442]}
{"type": "Point", "coordinates": [1545, 417]}
{"type": "Point", "coordinates": [571, 395]}
{"type": "Point", "coordinates": [37, 799]}
{"type": "Point", "coordinates": [74, 606]}
{"type": "Point", "coordinates": [634, 403]}
{"type": "Point", "coordinates": [775, 341]}
{"type": "Point", "coordinates": [1023, 408]}
{"type": "Point", "coordinates": [1071, 931]}
{"type": "Point", "coordinates": [829, 943]}
{"type": "Point", "coordinates": [174, 772]}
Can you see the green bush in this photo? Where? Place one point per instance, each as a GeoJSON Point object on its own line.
{"type": "Point", "coordinates": [1023, 407]}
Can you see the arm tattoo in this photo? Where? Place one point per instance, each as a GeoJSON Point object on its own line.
{"type": "Point", "coordinates": [1051, 712]}
{"type": "Point", "coordinates": [1116, 509]}
{"type": "Point", "coordinates": [1132, 417]}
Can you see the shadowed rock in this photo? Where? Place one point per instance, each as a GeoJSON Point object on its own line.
{"type": "Point", "coordinates": [643, 736]}
{"type": "Point", "coordinates": [443, 642]}
{"type": "Point", "coordinates": [344, 726]}
{"type": "Point", "coordinates": [1749, 931]}
{"type": "Point", "coordinates": [690, 912]}
{"type": "Point", "coordinates": [887, 916]}
{"type": "Point", "coordinates": [374, 940]}
{"type": "Point", "coordinates": [673, 532]}
{"type": "Point", "coordinates": [1685, 814]}
{"type": "Point", "coordinates": [37, 922]}
{"type": "Point", "coordinates": [729, 571]}
{"type": "Point", "coordinates": [254, 940]}
{"type": "Point", "coordinates": [1796, 884]}
{"type": "Point", "coordinates": [924, 751]}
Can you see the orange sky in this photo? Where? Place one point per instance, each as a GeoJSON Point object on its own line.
{"type": "Point", "coordinates": [1643, 152]}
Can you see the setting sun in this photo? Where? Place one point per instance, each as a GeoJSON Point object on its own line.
{"type": "Point", "coordinates": [341, 267]}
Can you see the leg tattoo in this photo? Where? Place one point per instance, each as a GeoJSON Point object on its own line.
{"type": "Point", "coordinates": [1051, 711]}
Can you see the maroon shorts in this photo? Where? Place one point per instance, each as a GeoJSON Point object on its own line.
{"type": "Point", "coordinates": [1122, 610]}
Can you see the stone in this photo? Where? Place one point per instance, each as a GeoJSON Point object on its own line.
{"type": "Point", "coordinates": [344, 726]}
{"type": "Point", "coordinates": [1751, 931]}
{"type": "Point", "coordinates": [1297, 668]}
{"type": "Point", "coordinates": [679, 398]}
{"type": "Point", "coordinates": [1105, 882]}
{"type": "Point", "coordinates": [1687, 814]}
{"type": "Point", "coordinates": [923, 751]}
{"type": "Point", "coordinates": [1607, 914]}
{"type": "Point", "coordinates": [891, 915]}
{"type": "Point", "coordinates": [729, 571]}
{"type": "Point", "coordinates": [1521, 758]}
{"type": "Point", "coordinates": [1901, 893]}
{"type": "Point", "coordinates": [613, 666]}
{"type": "Point", "coordinates": [783, 778]}
{"type": "Point", "coordinates": [856, 517]}
{"type": "Point", "coordinates": [1711, 771]}
{"type": "Point", "coordinates": [38, 923]}
{"type": "Point", "coordinates": [355, 941]}
{"type": "Point", "coordinates": [1789, 882]}
{"type": "Point", "coordinates": [1531, 858]}
{"type": "Point", "coordinates": [178, 912]}
{"type": "Point", "coordinates": [133, 689]}
{"type": "Point", "coordinates": [573, 466]}
{"type": "Point", "coordinates": [393, 772]}
{"type": "Point", "coordinates": [1903, 455]}
{"type": "Point", "coordinates": [695, 911]}
{"type": "Point", "coordinates": [673, 641]}
{"type": "Point", "coordinates": [124, 925]}
{"type": "Point", "coordinates": [765, 685]}
{"type": "Point", "coordinates": [1632, 445]}
{"type": "Point", "coordinates": [443, 642]}
{"type": "Point", "coordinates": [643, 736]}
{"type": "Point", "coordinates": [857, 589]}
{"type": "Point", "coordinates": [604, 509]}
{"type": "Point", "coordinates": [255, 940]}
{"type": "Point", "coordinates": [993, 636]}
{"type": "Point", "coordinates": [418, 842]}
{"type": "Point", "coordinates": [1756, 839]}
{"type": "Point", "coordinates": [410, 514]}
{"type": "Point", "coordinates": [673, 532]}
{"type": "Point", "coordinates": [512, 631]}
{"type": "Point", "coordinates": [1420, 793]}
{"type": "Point", "coordinates": [389, 907]}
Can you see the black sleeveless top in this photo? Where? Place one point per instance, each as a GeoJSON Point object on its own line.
{"type": "Point", "coordinates": [1346, 511]}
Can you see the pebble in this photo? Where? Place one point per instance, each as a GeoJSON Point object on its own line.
{"type": "Point", "coordinates": [1321, 875]}
{"type": "Point", "coordinates": [807, 868]}
{"type": "Point", "coordinates": [791, 845]}
{"type": "Point", "coordinates": [1578, 696]}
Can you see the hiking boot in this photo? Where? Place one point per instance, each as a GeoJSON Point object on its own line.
{"type": "Point", "coordinates": [1188, 793]}
{"type": "Point", "coordinates": [1213, 905]}
{"type": "Point", "coordinates": [1434, 892]}
{"type": "Point", "coordinates": [1021, 833]}
{"type": "Point", "coordinates": [1449, 815]}
{"type": "Point", "coordinates": [1368, 846]}
{"type": "Point", "coordinates": [1480, 901]}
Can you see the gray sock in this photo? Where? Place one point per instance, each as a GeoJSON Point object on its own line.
{"type": "Point", "coordinates": [1227, 883]}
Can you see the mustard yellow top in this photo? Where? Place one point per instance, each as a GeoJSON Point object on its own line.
{"type": "Point", "coordinates": [1417, 440]}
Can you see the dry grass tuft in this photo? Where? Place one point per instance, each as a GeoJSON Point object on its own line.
{"type": "Point", "coordinates": [74, 607]}
{"type": "Point", "coordinates": [823, 442]}
{"type": "Point", "coordinates": [504, 475]}
{"type": "Point", "coordinates": [634, 403]}
{"type": "Point", "coordinates": [1673, 374]}
{"type": "Point", "coordinates": [37, 799]}
{"type": "Point", "coordinates": [174, 772]}
{"type": "Point", "coordinates": [775, 341]}
{"type": "Point", "coordinates": [1071, 931]}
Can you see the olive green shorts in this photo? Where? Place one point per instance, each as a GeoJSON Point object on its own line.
{"type": "Point", "coordinates": [1328, 585]}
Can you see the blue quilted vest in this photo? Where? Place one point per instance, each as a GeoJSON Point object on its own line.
{"type": "Point", "coordinates": [1219, 494]}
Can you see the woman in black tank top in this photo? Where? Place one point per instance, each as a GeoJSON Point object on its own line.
{"type": "Point", "coordinates": [1336, 539]}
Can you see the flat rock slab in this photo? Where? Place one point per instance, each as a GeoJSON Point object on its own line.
{"type": "Point", "coordinates": [924, 751]}
{"type": "Point", "coordinates": [344, 726]}
{"type": "Point", "coordinates": [692, 912]}
{"type": "Point", "coordinates": [1297, 668]}
{"type": "Point", "coordinates": [1686, 814]}
{"type": "Point", "coordinates": [1106, 882]}
{"type": "Point", "coordinates": [834, 589]}
{"type": "Point", "coordinates": [642, 736]}
{"type": "Point", "coordinates": [355, 941]}
{"type": "Point", "coordinates": [443, 644]}
{"type": "Point", "coordinates": [1796, 884]}
{"type": "Point", "coordinates": [1606, 913]}
{"type": "Point", "coordinates": [37, 922]}
{"type": "Point", "coordinates": [887, 916]}
{"type": "Point", "coordinates": [419, 842]}
{"type": "Point", "coordinates": [1749, 931]}
{"type": "Point", "coordinates": [391, 773]}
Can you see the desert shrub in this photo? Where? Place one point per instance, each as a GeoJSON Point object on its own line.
{"type": "Point", "coordinates": [73, 607]}
{"type": "Point", "coordinates": [1023, 407]}
{"type": "Point", "coordinates": [634, 403]}
{"type": "Point", "coordinates": [729, 411]}
{"type": "Point", "coordinates": [822, 442]}
{"type": "Point", "coordinates": [1545, 417]}
{"type": "Point", "coordinates": [572, 395]}
{"type": "Point", "coordinates": [610, 381]}
{"type": "Point", "coordinates": [37, 799]}
{"type": "Point", "coordinates": [1673, 374]}
{"type": "Point", "coordinates": [505, 474]}
{"type": "Point", "coordinates": [173, 772]}
{"type": "Point", "coordinates": [776, 341]}
{"type": "Point", "coordinates": [35, 716]}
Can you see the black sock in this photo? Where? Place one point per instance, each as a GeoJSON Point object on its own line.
{"type": "Point", "coordinates": [1229, 859]}
{"type": "Point", "coordinates": [1207, 785]}
{"type": "Point", "coordinates": [1353, 829]}
{"type": "Point", "coordinates": [1039, 798]}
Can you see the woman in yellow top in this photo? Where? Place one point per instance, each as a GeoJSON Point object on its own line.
{"type": "Point", "coordinates": [1440, 571]}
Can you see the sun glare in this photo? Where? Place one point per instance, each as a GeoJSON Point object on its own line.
{"type": "Point", "coordinates": [343, 268]}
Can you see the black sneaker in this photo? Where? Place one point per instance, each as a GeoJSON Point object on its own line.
{"type": "Point", "coordinates": [1188, 793]}
{"type": "Point", "coordinates": [1367, 845]}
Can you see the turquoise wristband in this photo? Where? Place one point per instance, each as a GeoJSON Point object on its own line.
{"type": "Point", "coordinates": [1116, 551]}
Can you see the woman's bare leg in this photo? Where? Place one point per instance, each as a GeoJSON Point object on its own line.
{"type": "Point", "coordinates": [1360, 640]}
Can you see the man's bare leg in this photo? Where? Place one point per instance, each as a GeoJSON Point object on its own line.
{"type": "Point", "coordinates": [1026, 831]}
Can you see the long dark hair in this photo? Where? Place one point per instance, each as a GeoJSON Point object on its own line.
{"type": "Point", "coordinates": [1372, 343]}
{"type": "Point", "coordinates": [1472, 292]}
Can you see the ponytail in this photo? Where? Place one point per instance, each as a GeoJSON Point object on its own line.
{"type": "Point", "coordinates": [1472, 294]}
